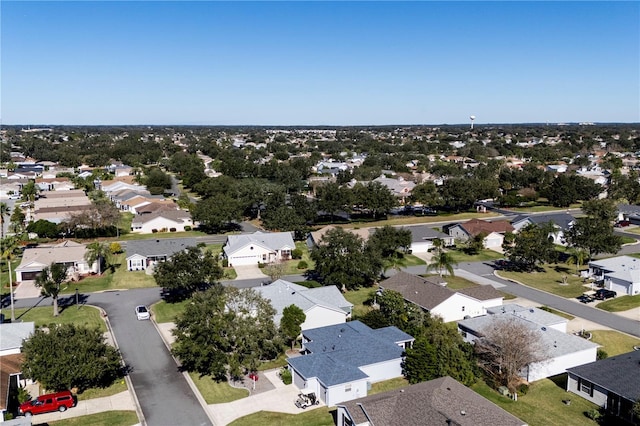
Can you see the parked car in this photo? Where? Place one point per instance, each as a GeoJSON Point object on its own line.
{"type": "Point", "coordinates": [142, 313]}
{"type": "Point", "coordinates": [586, 298]}
{"type": "Point", "coordinates": [622, 224]}
{"type": "Point", "coordinates": [58, 401]}
{"type": "Point", "coordinates": [603, 293]}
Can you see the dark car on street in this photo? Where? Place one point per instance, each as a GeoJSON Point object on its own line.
{"type": "Point", "coordinates": [586, 298]}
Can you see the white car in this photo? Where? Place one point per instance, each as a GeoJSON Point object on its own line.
{"type": "Point", "coordinates": [142, 313]}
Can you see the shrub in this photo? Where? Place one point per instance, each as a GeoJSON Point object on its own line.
{"type": "Point", "coordinates": [602, 354]}
{"type": "Point", "coordinates": [593, 414]}
{"type": "Point", "coordinates": [523, 389]}
{"type": "Point", "coordinates": [172, 229]}
{"type": "Point", "coordinates": [296, 254]}
{"type": "Point", "coordinates": [285, 375]}
{"type": "Point", "coordinates": [225, 263]}
{"type": "Point", "coordinates": [115, 248]}
{"type": "Point", "coordinates": [302, 265]}
{"type": "Point", "coordinates": [23, 395]}
{"type": "Point", "coordinates": [261, 265]}
{"type": "Point", "coordinates": [187, 228]}
{"type": "Point", "coordinates": [153, 231]}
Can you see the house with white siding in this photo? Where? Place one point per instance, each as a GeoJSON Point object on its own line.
{"type": "Point", "coordinates": [259, 247]}
{"type": "Point", "coordinates": [68, 253]}
{"type": "Point", "coordinates": [340, 362]}
{"type": "Point", "coordinates": [162, 221]}
{"type": "Point", "coordinates": [143, 254]}
{"type": "Point", "coordinates": [620, 274]}
{"type": "Point", "coordinates": [323, 306]}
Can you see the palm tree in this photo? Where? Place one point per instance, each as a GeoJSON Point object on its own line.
{"type": "Point", "coordinates": [396, 261]}
{"type": "Point", "coordinates": [4, 211]}
{"type": "Point", "coordinates": [49, 282]}
{"type": "Point", "coordinates": [578, 257]}
{"type": "Point", "coordinates": [97, 251]}
{"type": "Point", "coordinates": [442, 261]}
{"type": "Point", "coordinates": [438, 245]}
{"type": "Point", "coordinates": [9, 245]}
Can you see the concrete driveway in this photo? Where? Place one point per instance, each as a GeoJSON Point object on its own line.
{"type": "Point", "coordinates": [248, 272]}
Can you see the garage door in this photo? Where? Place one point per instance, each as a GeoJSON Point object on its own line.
{"type": "Point", "coordinates": [30, 276]}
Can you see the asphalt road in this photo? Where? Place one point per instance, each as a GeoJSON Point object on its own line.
{"type": "Point", "coordinates": [163, 393]}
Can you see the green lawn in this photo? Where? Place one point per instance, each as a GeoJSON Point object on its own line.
{"type": "Point", "coordinates": [108, 418]}
{"type": "Point", "coordinates": [619, 304]}
{"type": "Point", "coordinates": [550, 280]}
{"type": "Point", "coordinates": [43, 315]}
{"type": "Point", "coordinates": [4, 274]}
{"type": "Point", "coordinates": [556, 312]}
{"type": "Point", "coordinates": [387, 385]}
{"type": "Point", "coordinates": [292, 265]}
{"type": "Point", "coordinates": [217, 393]}
{"type": "Point", "coordinates": [312, 417]}
{"type": "Point", "coordinates": [614, 342]}
{"type": "Point", "coordinates": [485, 255]}
{"type": "Point", "coordinates": [414, 220]}
{"type": "Point", "coordinates": [116, 387]}
{"type": "Point", "coordinates": [542, 208]}
{"type": "Point", "coordinates": [411, 260]}
{"type": "Point", "coordinates": [628, 240]}
{"type": "Point", "coordinates": [358, 297]}
{"type": "Point", "coordinates": [543, 405]}
{"type": "Point", "coordinates": [167, 312]}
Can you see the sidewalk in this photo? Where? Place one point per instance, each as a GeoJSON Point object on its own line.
{"type": "Point", "coordinates": [120, 401]}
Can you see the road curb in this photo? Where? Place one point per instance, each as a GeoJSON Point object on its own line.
{"type": "Point", "coordinates": [132, 391]}
{"type": "Point", "coordinates": [187, 377]}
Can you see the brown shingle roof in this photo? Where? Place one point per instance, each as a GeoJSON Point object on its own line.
{"type": "Point", "coordinates": [418, 290]}
{"type": "Point", "coordinates": [476, 226]}
{"type": "Point", "coordinates": [9, 364]}
{"type": "Point", "coordinates": [482, 292]}
{"type": "Point", "coordinates": [436, 402]}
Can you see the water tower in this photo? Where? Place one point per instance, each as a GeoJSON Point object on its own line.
{"type": "Point", "coordinates": [473, 117]}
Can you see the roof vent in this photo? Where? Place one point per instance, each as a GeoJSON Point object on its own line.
{"type": "Point", "coordinates": [544, 328]}
{"type": "Point", "coordinates": [531, 310]}
{"type": "Point", "coordinates": [464, 413]}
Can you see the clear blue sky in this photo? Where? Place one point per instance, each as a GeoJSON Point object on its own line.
{"type": "Point", "coordinates": [319, 63]}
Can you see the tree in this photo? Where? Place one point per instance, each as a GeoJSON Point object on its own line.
{"type": "Point", "coordinates": [506, 348]}
{"type": "Point", "coordinates": [594, 232]}
{"type": "Point", "coordinates": [49, 281]}
{"type": "Point", "coordinates": [17, 220]}
{"type": "Point", "coordinates": [97, 252]}
{"type": "Point", "coordinates": [442, 261]}
{"type": "Point", "coordinates": [187, 271]}
{"type": "Point", "coordinates": [157, 181]}
{"type": "Point", "coordinates": [426, 193]}
{"type": "Point", "coordinates": [67, 356]}
{"type": "Point", "coordinates": [342, 259]}
{"type": "Point", "coordinates": [8, 248]}
{"type": "Point", "coordinates": [292, 319]}
{"type": "Point", "coordinates": [44, 229]}
{"type": "Point", "coordinates": [388, 240]}
{"type": "Point", "coordinates": [577, 257]}
{"type": "Point", "coordinates": [439, 351]}
{"type": "Point", "coordinates": [475, 244]}
{"type": "Point", "coordinates": [407, 316]}
{"type": "Point", "coordinates": [275, 270]}
{"type": "Point", "coordinates": [4, 211]}
{"type": "Point", "coordinates": [225, 331]}
{"type": "Point", "coordinates": [529, 247]}
{"type": "Point", "coordinates": [562, 191]}
{"type": "Point", "coordinates": [215, 213]}
{"type": "Point", "coordinates": [333, 198]}
{"type": "Point", "coordinates": [374, 197]}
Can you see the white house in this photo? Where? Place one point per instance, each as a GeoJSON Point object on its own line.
{"type": "Point", "coordinates": [562, 350]}
{"type": "Point", "coordinates": [162, 221]}
{"type": "Point", "coordinates": [450, 305]}
{"type": "Point", "coordinates": [422, 237]}
{"type": "Point", "coordinates": [13, 334]}
{"type": "Point", "coordinates": [561, 223]}
{"type": "Point", "coordinates": [259, 247]}
{"type": "Point", "coordinates": [620, 274]}
{"type": "Point", "coordinates": [142, 254]}
{"type": "Point", "coordinates": [69, 253]}
{"type": "Point", "coordinates": [322, 306]}
{"type": "Point", "coordinates": [494, 231]}
{"type": "Point", "coordinates": [340, 362]}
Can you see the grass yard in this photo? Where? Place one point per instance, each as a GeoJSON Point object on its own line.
{"type": "Point", "coordinates": [135, 236]}
{"type": "Point", "coordinates": [4, 274]}
{"type": "Point", "coordinates": [43, 315]}
{"type": "Point", "coordinates": [108, 418]}
{"type": "Point", "coordinates": [485, 255]}
{"type": "Point", "coordinates": [507, 296]}
{"type": "Point", "coordinates": [358, 297]}
{"type": "Point", "coordinates": [117, 278]}
{"type": "Point", "coordinates": [281, 361]}
{"type": "Point", "coordinates": [115, 388]}
{"type": "Point", "coordinates": [292, 265]}
{"type": "Point", "coordinates": [550, 280]}
{"type": "Point", "coordinates": [167, 312]}
{"type": "Point", "coordinates": [411, 260]}
{"type": "Point", "coordinates": [321, 416]}
{"type": "Point", "coordinates": [217, 393]}
{"type": "Point", "coordinates": [543, 405]}
{"type": "Point", "coordinates": [556, 312]}
{"type": "Point", "coordinates": [387, 385]}
{"type": "Point", "coordinates": [614, 342]}
{"type": "Point", "coordinates": [628, 240]}
{"type": "Point", "coordinates": [416, 220]}
{"type": "Point", "coordinates": [620, 304]}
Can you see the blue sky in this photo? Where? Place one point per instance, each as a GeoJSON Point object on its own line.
{"type": "Point", "coordinates": [319, 63]}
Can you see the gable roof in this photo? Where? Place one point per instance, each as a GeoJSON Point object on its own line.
{"type": "Point", "coordinates": [159, 247]}
{"type": "Point", "coordinates": [268, 240]}
{"type": "Point", "coordinates": [176, 216]}
{"type": "Point", "coordinates": [562, 220]}
{"type": "Point", "coordinates": [475, 226]}
{"type": "Point", "coordinates": [283, 293]}
{"type": "Point", "coordinates": [418, 290]}
{"type": "Point", "coordinates": [14, 333]}
{"type": "Point", "coordinates": [616, 264]}
{"type": "Point", "coordinates": [619, 374]}
{"type": "Point", "coordinates": [436, 402]}
{"type": "Point", "coordinates": [67, 251]}
{"type": "Point", "coordinates": [320, 233]}
{"type": "Point", "coordinates": [338, 351]}
{"type": "Point", "coordinates": [421, 233]}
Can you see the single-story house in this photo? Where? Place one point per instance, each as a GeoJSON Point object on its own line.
{"type": "Point", "coordinates": [562, 222]}
{"type": "Point", "coordinates": [494, 231]}
{"type": "Point", "coordinates": [422, 238]}
{"type": "Point", "coordinates": [142, 254]}
{"type": "Point", "coordinates": [10, 380]}
{"type": "Point", "coordinates": [450, 305]}
{"type": "Point", "coordinates": [620, 274]}
{"type": "Point", "coordinates": [68, 253]}
{"type": "Point", "coordinates": [13, 335]}
{"type": "Point", "coordinates": [629, 212]}
{"type": "Point", "coordinates": [259, 247]}
{"type": "Point", "coordinates": [612, 383]}
{"type": "Point", "coordinates": [315, 237]}
{"type": "Point", "coordinates": [322, 306]}
{"type": "Point", "coordinates": [563, 351]}
{"type": "Point", "coordinates": [167, 220]}
{"type": "Point", "coordinates": [442, 401]}
{"type": "Point", "coordinates": [340, 362]}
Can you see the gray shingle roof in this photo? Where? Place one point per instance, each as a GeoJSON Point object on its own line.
{"type": "Point", "coordinates": [422, 233]}
{"type": "Point", "coordinates": [337, 351]}
{"type": "Point", "coordinates": [270, 240]}
{"type": "Point", "coordinates": [429, 403]}
{"type": "Point", "coordinates": [159, 247]}
{"type": "Point", "coordinates": [173, 215]}
{"type": "Point", "coordinates": [562, 220]}
{"type": "Point", "coordinates": [13, 334]}
{"type": "Point", "coordinates": [619, 374]}
{"type": "Point", "coordinates": [532, 314]}
{"type": "Point", "coordinates": [418, 290]}
{"type": "Point", "coordinates": [482, 292]}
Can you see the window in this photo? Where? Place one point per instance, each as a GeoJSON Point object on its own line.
{"type": "Point", "coordinates": [347, 388]}
{"type": "Point", "coordinates": [463, 309]}
{"type": "Point", "coordinates": [264, 257]}
{"type": "Point", "coordinates": [586, 387]}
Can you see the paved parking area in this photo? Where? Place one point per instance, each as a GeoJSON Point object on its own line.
{"type": "Point", "coordinates": [247, 272]}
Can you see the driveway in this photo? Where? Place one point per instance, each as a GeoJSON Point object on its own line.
{"type": "Point", "coordinates": [248, 272]}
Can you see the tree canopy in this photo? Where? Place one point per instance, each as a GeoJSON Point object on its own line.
{"type": "Point", "coordinates": [529, 247]}
{"type": "Point", "coordinates": [187, 271]}
{"type": "Point", "coordinates": [292, 319]}
{"type": "Point", "coordinates": [49, 281]}
{"type": "Point", "coordinates": [67, 356]}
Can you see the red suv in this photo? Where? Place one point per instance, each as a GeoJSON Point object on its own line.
{"type": "Point", "coordinates": [59, 401]}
